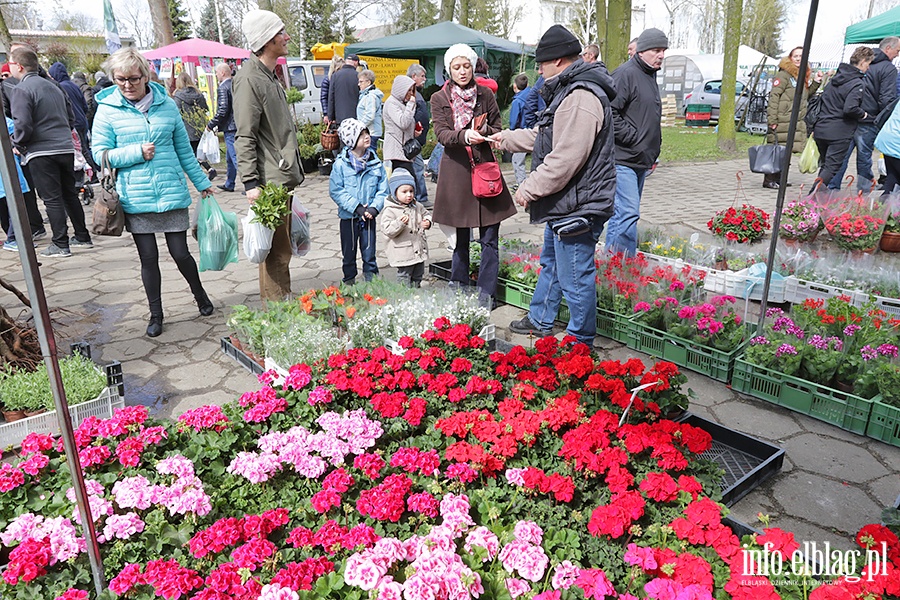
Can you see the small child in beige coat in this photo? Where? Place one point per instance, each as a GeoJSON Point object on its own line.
{"type": "Point", "coordinates": [404, 221]}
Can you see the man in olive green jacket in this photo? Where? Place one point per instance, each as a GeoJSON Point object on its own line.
{"type": "Point", "coordinates": [266, 140]}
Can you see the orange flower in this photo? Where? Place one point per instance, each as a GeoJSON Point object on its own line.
{"type": "Point", "coordinates": [351, 310]}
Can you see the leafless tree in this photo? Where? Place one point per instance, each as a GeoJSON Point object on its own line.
{"type": "Point", "coordinates": [584, 20]}
{"type": "Point", "coordinates": [676, 9]}
{"type": "Point", "coordinates": [134, 19]}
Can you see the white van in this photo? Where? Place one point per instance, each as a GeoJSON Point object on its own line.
{"type": "Point", "coordinates": [307, 76]}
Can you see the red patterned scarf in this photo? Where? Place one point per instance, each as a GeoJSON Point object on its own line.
{"type": "Point", "coordinates": [462, 101]}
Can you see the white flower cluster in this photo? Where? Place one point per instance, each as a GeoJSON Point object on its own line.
{"type": "Point", "coordinates": [302, 341]}
{"type": "Point", "coordinates": [416, 314]}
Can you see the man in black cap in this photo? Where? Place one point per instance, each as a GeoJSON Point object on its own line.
{"type": "Point", "coordinates": [637, 111]}
{"type": "Point", "coordinates": [572, 183]}
{"type": "Point", "coordinates": [343, 91]}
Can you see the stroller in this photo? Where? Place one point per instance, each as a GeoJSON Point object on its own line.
{"type": "Point", "coordinates": [83, 173]}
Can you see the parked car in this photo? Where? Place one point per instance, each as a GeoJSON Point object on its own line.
{"type": "Point", "coordinates": [709, 92]}
{"type": "Point", "coordinates": [306, 76]}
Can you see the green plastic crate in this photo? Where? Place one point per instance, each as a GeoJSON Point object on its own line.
{"type": "Point", "coordinates": [514, 294]}
{"type": "Point", "coordinates": [708, 361]}
{"type": "Point", "coordinates": [613, 325]}
{"type": "Point", "coordinates": [884, 423]}
{"type": "Point", "coordinates": [842, 409]}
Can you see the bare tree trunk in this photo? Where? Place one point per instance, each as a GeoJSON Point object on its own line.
{"type": "Point", "coordinates": [447, 7]}
{"type": "Point", "coordinates": [5, 38]}
{"type": "Point", "coordinates": [618, 32]}
{"type": "Point", "coordinates": [726, 136]}
{"type": "Point", "coordinates": [463, 13]}
{"type": "Point", "coordinates": [162, 24]}
{"type": "Point", "coordinates": [600, 9]}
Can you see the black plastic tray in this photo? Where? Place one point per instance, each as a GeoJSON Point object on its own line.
{"type": "Point", "coordinates": [244, 360]}
{"type": "Point", "coordinates": [440, 269]}
{"type": "Point", "coordinates": [746, 460]}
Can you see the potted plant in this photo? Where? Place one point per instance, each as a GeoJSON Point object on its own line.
{"type": "Point", "coordinates": [856, 224]}
{"type": "Point", "coordinates": [890, 239]}
{"type": "Point", "coordinates": [800, 221]}
{"type": "Point", "coordinates": [743, 225]}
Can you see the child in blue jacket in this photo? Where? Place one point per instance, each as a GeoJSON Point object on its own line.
{"type": "Point", "coordinates": [5, 221]}
{"type": "Point", "coordinates": [358, 186]}
{"type": "Point", "coordinates": [517, 121]}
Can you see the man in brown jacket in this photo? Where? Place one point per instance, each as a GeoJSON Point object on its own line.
{"type": "Point", "coordinates": [572, 184]}
{"type": "Point", "coordinates": [266, 140]}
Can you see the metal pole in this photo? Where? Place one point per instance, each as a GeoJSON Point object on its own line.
{"type": "Point", "coordinates": [786, 165]}
{"type": "Point", "coordinates": [44, 327]}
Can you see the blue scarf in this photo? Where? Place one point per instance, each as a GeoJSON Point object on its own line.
{"type": "Point", "coordinates": [358, 163]}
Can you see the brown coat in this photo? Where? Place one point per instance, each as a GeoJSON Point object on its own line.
{"type": "Point", "coordinates": [781, 103]}
{"type": "Point", "coordinates": [455, 204]}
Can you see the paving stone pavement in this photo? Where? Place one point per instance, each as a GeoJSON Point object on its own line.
{"type": "Point", "coordinates": [832, 482]}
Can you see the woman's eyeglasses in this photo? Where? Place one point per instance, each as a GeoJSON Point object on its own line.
{"type": "Point", "coordinates": [132, 80]}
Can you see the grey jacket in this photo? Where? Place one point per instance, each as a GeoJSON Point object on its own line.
{"type": "Point", "coordinates": [43, 119]}
{"type": "Point", "coordinates": [399, 120]}
{"type": "Point", "coordinates": [265, 141]}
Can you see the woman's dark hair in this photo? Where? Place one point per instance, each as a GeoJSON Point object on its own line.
{"type": "Point", "coordinates": [481, 66]}
{"type": "Point", "coordinates": [861, 54]}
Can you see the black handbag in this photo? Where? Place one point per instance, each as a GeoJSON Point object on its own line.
{"type": "Point", "coordinates": [411, 148]}
{"type": "Point", "coordinates": [766, 159]}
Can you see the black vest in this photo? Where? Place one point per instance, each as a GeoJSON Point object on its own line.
{"type": "Point", "coordinates": [592, 191]}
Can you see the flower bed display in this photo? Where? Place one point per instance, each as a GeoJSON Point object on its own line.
{"type": "Point", "coordinates": [442, 473]}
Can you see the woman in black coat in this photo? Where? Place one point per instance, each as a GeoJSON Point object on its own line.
{"type": "Point", "coordinates": [840, 113]}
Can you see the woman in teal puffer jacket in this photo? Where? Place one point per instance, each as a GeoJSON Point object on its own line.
{"type": "Point", "coordinates": [141, 130]}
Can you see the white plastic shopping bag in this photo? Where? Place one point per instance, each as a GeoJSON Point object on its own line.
{"type": "Point", "coordinates": [208, 148]}
{"type": "Point", "coordinates": [257, 239]}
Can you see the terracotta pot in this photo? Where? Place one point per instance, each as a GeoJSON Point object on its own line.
{"type": "Point", "coordinates": [13, 415]}
{"type": "Point", "coordinates": [890, 242]}
{"type": "Point", "coordinates": [236, 342]}
{"type": "Point", "coordinates": [859, 253]}
{"type": "Point", "coordinates": [34, 413]}
{"type": "Point", "coordinates": [794, 242]}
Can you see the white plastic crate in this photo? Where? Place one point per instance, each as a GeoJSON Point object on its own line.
{"type": "Point", "coordinates": [741, 285]}
{"type": "Point", "coordinates": [280, 372]}
{"type": "Point", "coordinates": [798, 290]}
{"type": "Point", "coordinates": [12, 434]}
{"type": "Point", "coordinates": [888, 305]}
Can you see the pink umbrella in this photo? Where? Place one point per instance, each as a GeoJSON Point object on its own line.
{"type": "Point", "coordinates": [191, 49]}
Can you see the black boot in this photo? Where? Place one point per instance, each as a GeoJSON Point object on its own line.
{"type": "Point", "coordinates": [154, 328]}
{"type": "Point", "coordinates": [204, 304]}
